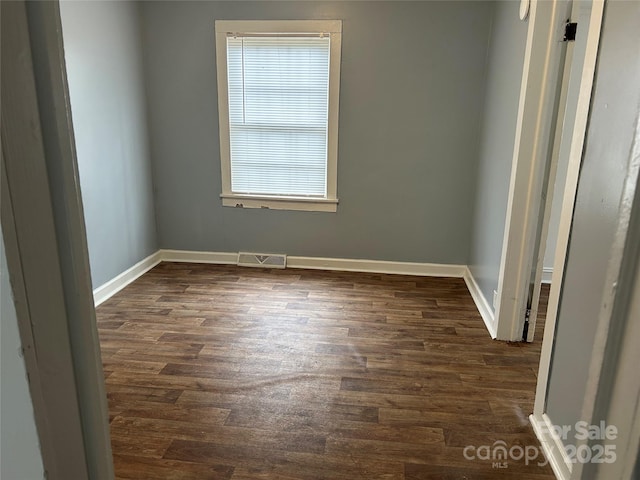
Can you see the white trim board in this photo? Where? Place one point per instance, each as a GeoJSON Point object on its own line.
{"type": "Point", "coordinates": [547, 275]}
{"type": "Point", "coordinates": [377, 266]}
{"type": "Point", "coordinates": [320, 263]}
{"type": "Point", "coordinates": [113, 286]}
{"type": "Point", "coordinates": [552, 446]}
{"type": "Point", "coordinates": [486, 312]}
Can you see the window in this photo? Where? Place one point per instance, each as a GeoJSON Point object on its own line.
{"type": "Point", "coordinates": [278, 87]}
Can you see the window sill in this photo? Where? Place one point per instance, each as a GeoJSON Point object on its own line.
{"type": "Point", "coordinates": [280, 203]}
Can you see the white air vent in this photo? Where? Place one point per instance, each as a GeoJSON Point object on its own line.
{"type": "Point", "coordinates": [264, 260]}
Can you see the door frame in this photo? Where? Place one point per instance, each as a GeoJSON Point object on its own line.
{"type": "Point", "coordinates": [46, 247]}
{"type": "Point", "coordinates": [543, 60]}
{"type": "Point", "coordinates": [568, 201]}
{"type": "Point", "coordinates": [613, 388]}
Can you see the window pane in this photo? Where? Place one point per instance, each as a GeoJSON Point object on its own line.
{"type": "Point", "coordinates": [278, 114]}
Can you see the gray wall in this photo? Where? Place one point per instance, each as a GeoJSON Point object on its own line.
{"type": "Point", "coordinates": [614, 111]}
{"type": "Point", "coordinates": [104, 67]}
{"type": "Point", "coordinates": [412, 83]}
{"type": "Point", "coordinates": [501, 98]}
{"type": "Point", "coordinates": [20, 457]}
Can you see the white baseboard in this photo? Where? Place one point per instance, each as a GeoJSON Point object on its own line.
{"type": "Point", "coordinates": [113, 286]}
{"type": "Point", "coordinates": [377, 266]}
{"type": "Point", "coordinates": [552, 446]}
{"type": "Point", "coordinates": [547, 274]}
{"type": "Point", "coordinates": [320, 263]}
{"type": "Point", "coordinates": [220, 258]}
{"type": "Point", "coordinates": [486, 312]}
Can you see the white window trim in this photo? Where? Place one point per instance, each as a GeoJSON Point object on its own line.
{"type": "Point", "coordinates": [334, 29]}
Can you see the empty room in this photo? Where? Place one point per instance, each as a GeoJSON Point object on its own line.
{"type": "Point", "coordinates": [320, 239]}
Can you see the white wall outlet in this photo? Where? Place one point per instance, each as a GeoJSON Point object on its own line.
{"type": "Point", "coordinates": [495, 299]}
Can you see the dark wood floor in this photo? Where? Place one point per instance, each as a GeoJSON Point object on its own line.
{"type": "Point", "coordinates": [218, 372]}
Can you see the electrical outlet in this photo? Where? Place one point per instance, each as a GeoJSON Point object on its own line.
{"type": "Point", "coordinates": [495, 299]}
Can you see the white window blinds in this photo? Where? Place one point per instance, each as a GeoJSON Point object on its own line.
{"type": "Point", "coordinates": [278, 114]}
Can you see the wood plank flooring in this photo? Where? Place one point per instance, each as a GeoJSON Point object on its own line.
{"type": "Point", "coordinates": [217, 372]}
